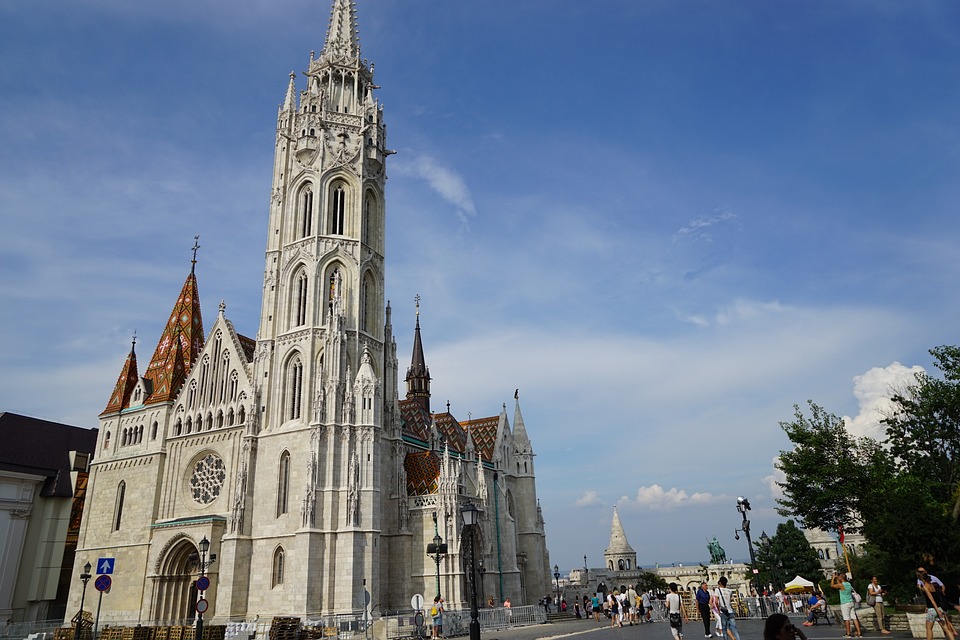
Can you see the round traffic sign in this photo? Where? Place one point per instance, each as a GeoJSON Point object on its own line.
{"type": "Point", "coordinates": [102, 583]}
{"type": "Point", "coordinates": [416, 602]}
{"type": "Point", "coordinates": [203, 583]}
{"type": "Point", "coordinates": [202, 605]}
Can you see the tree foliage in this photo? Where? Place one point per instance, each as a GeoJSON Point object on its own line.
{"type": "Point", "coordinates": [785, 556]}
{"type": "Point", "coordinates": [902, 492]}
{"type": "Point", "coordinates": [828, 473]}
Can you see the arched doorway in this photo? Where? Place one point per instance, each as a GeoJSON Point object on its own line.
{"type": "Point", "coordinates": [176, 593]}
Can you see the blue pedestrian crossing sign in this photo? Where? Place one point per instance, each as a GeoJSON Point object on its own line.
{"type": "Point", "coordinates": [105, 566]}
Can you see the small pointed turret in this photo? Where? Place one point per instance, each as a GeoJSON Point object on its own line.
{"type": "Point", "coordinates": [520, 438]}
{"type": "Point", "coordinates": [618, 539]}
{"type": "Point", "coordinates": [418, 375]}
{"type": "Point", "coordinates": [619, 556]}
{"type": "Point", "coordinates": [290, 102]}
{"type": "Point", "coordinates": [120, 399]}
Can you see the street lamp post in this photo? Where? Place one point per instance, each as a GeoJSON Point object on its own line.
{"type": "Point", "coordinates": [202, 583]}
{"type": "Point", "coordinates": [437, 549]}
{"type": "Point", "coordinates": [743, 505]}
{"type": "Point", "coordinates": [556, 576]}
{"type": "Point", "coordinates": [85, 578]}
{"type": "Point", "coordinates": [471, 516]}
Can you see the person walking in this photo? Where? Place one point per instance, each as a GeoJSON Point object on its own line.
{"type": "Point", "coordinates": [728, 617]}
{"type": "Point", "coordinates": [647, 606]}
{"type": "Point", "coordinates": [595, 606]}
{"type": "Point", "coordinates": [675, 612]}
{"type": "Point", "coordinates": [703, 606]}
{"type": "Point", "coordinates": [875, 594]}
{"type": "Point", "coordinates": [935, 604]}
{"type": "Point", "coordinates": [630, 604]}
{"type": "Point", "coordinates": [841, 584]}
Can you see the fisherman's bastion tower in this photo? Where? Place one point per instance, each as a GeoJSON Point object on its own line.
{"type": "Point", "coordinates": [317, 486]}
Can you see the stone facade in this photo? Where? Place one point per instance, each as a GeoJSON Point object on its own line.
{"type": "Point", "coordinates": [316, 484]}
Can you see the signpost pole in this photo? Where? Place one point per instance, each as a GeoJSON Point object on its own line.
{"type": "Point", "coordinates": [96, 621]}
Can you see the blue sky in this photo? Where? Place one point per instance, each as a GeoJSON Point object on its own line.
{"type": "Point", "coordinates": [665, 222]}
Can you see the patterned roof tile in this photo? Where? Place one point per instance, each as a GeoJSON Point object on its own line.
{"type": "Point", "coordinates": [484, 433]}
{"type": "Point", "coordinates": [179, 346]}
{"type": "Point", "coordinates": [423, 471]}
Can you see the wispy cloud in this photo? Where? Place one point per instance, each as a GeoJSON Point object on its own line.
{"type": "Point", "coordinates": [444, 181]}
{"type": "Point", "coordinates": [697, 230]}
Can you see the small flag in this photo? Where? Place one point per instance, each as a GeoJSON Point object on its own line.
{"type": "Point", "coordinates": [840, 532]}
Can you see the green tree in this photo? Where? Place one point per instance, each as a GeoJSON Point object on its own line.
{"type": "Point", "coordinates": [828, 471]}
{"type": "Point", "coordinates": [923, 432]}
{"type": "Point", "coordinates": [648, 580]}
{"type": "Point", "coordinates": [785, 555]}
{"type": "Point", "coordinates": [902, 492]}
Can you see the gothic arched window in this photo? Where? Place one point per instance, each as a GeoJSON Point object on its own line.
{"type": "Point", "coordinates": [368, 307]}
{"type": "Point", "coordinates": [118, 507]}
{"type": "Point", "coordinates": [301, 293]}
{"type": "Point", "coordinates": [305, 211]}
{"type": "Point", "coordinates": [283, 483]}
{"type": "Point", "coordinates": [294, 388]}
{"type": "Point", "coordinates": [278, 566]}
{"type": "Point", "coordinates": [338, 208]}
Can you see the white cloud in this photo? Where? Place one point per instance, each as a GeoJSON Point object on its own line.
{"type": "Point", "coordinates": [444, 181]}
{"type": "Point", "coordinates": [776, 491]}
{"type": "Point", "coordinates": [873, 390]}
{"type": "Point", "coordinates": [655, 497]}
{"type": "Point", "coordinates": [589, 499]}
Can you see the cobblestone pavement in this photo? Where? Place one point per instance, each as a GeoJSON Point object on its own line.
{"type": "Point", "coordinates": [589, 630]}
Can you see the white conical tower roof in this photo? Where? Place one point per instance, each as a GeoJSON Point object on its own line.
{"type": "Point", "coordinates": [618, 539]}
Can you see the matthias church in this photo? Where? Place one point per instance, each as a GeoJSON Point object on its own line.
{"type": "Point", "coordinates": [317, 482]}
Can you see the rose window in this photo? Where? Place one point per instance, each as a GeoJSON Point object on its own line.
{"type": "Point", "coordinates": [208, 476]}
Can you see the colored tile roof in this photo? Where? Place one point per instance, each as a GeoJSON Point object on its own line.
{"type": "Point", "coordinates": [179, 346]}
{"type": "Point", "coordinates": [453, 434]}
{"type": "Point", "coordinates": [249, 345]}
{"type": "Point", "coordinates": [120, 398]}
{"type": "Point", "coordinates": [416, 421]}
{"type": "Point", "coordinates": [484, 434]}
{"type": "Point", "coordinates": [423, 470]}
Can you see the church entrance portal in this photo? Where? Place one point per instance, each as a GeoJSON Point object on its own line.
{"type": "Point", "coordinates": [176, 586]}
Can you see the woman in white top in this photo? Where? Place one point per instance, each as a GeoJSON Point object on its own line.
{"type": "Point", "coordinates": [675, 612]}
{"type": "Point", "coordinates": [876, 591]}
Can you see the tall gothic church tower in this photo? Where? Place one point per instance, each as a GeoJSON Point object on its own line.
{"type": "Point", "coordinates": [319, 364]}
{"type": "Point", "coordinates": [316, 486]}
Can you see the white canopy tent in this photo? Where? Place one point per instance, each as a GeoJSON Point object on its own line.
{"type": "Point", "coordinates": [798, 585]}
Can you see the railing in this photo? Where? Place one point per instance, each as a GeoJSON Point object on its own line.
{"type": "Point", "coordinates": [456, 622]}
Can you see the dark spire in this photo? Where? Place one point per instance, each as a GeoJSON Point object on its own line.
{"type": "Point", "coordinates": [418, 375]}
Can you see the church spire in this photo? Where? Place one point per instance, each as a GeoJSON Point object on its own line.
{"type": "Point", "coordinates": [179, 345]}
{"type": "Point", "coordinates": [418, 375]}
{"type": "Point", "coordinates": [120, 398]}
{"type": "Point", "coordinates": [520, 437]}
{"type": "Point", "coordinates": [342, 43]}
